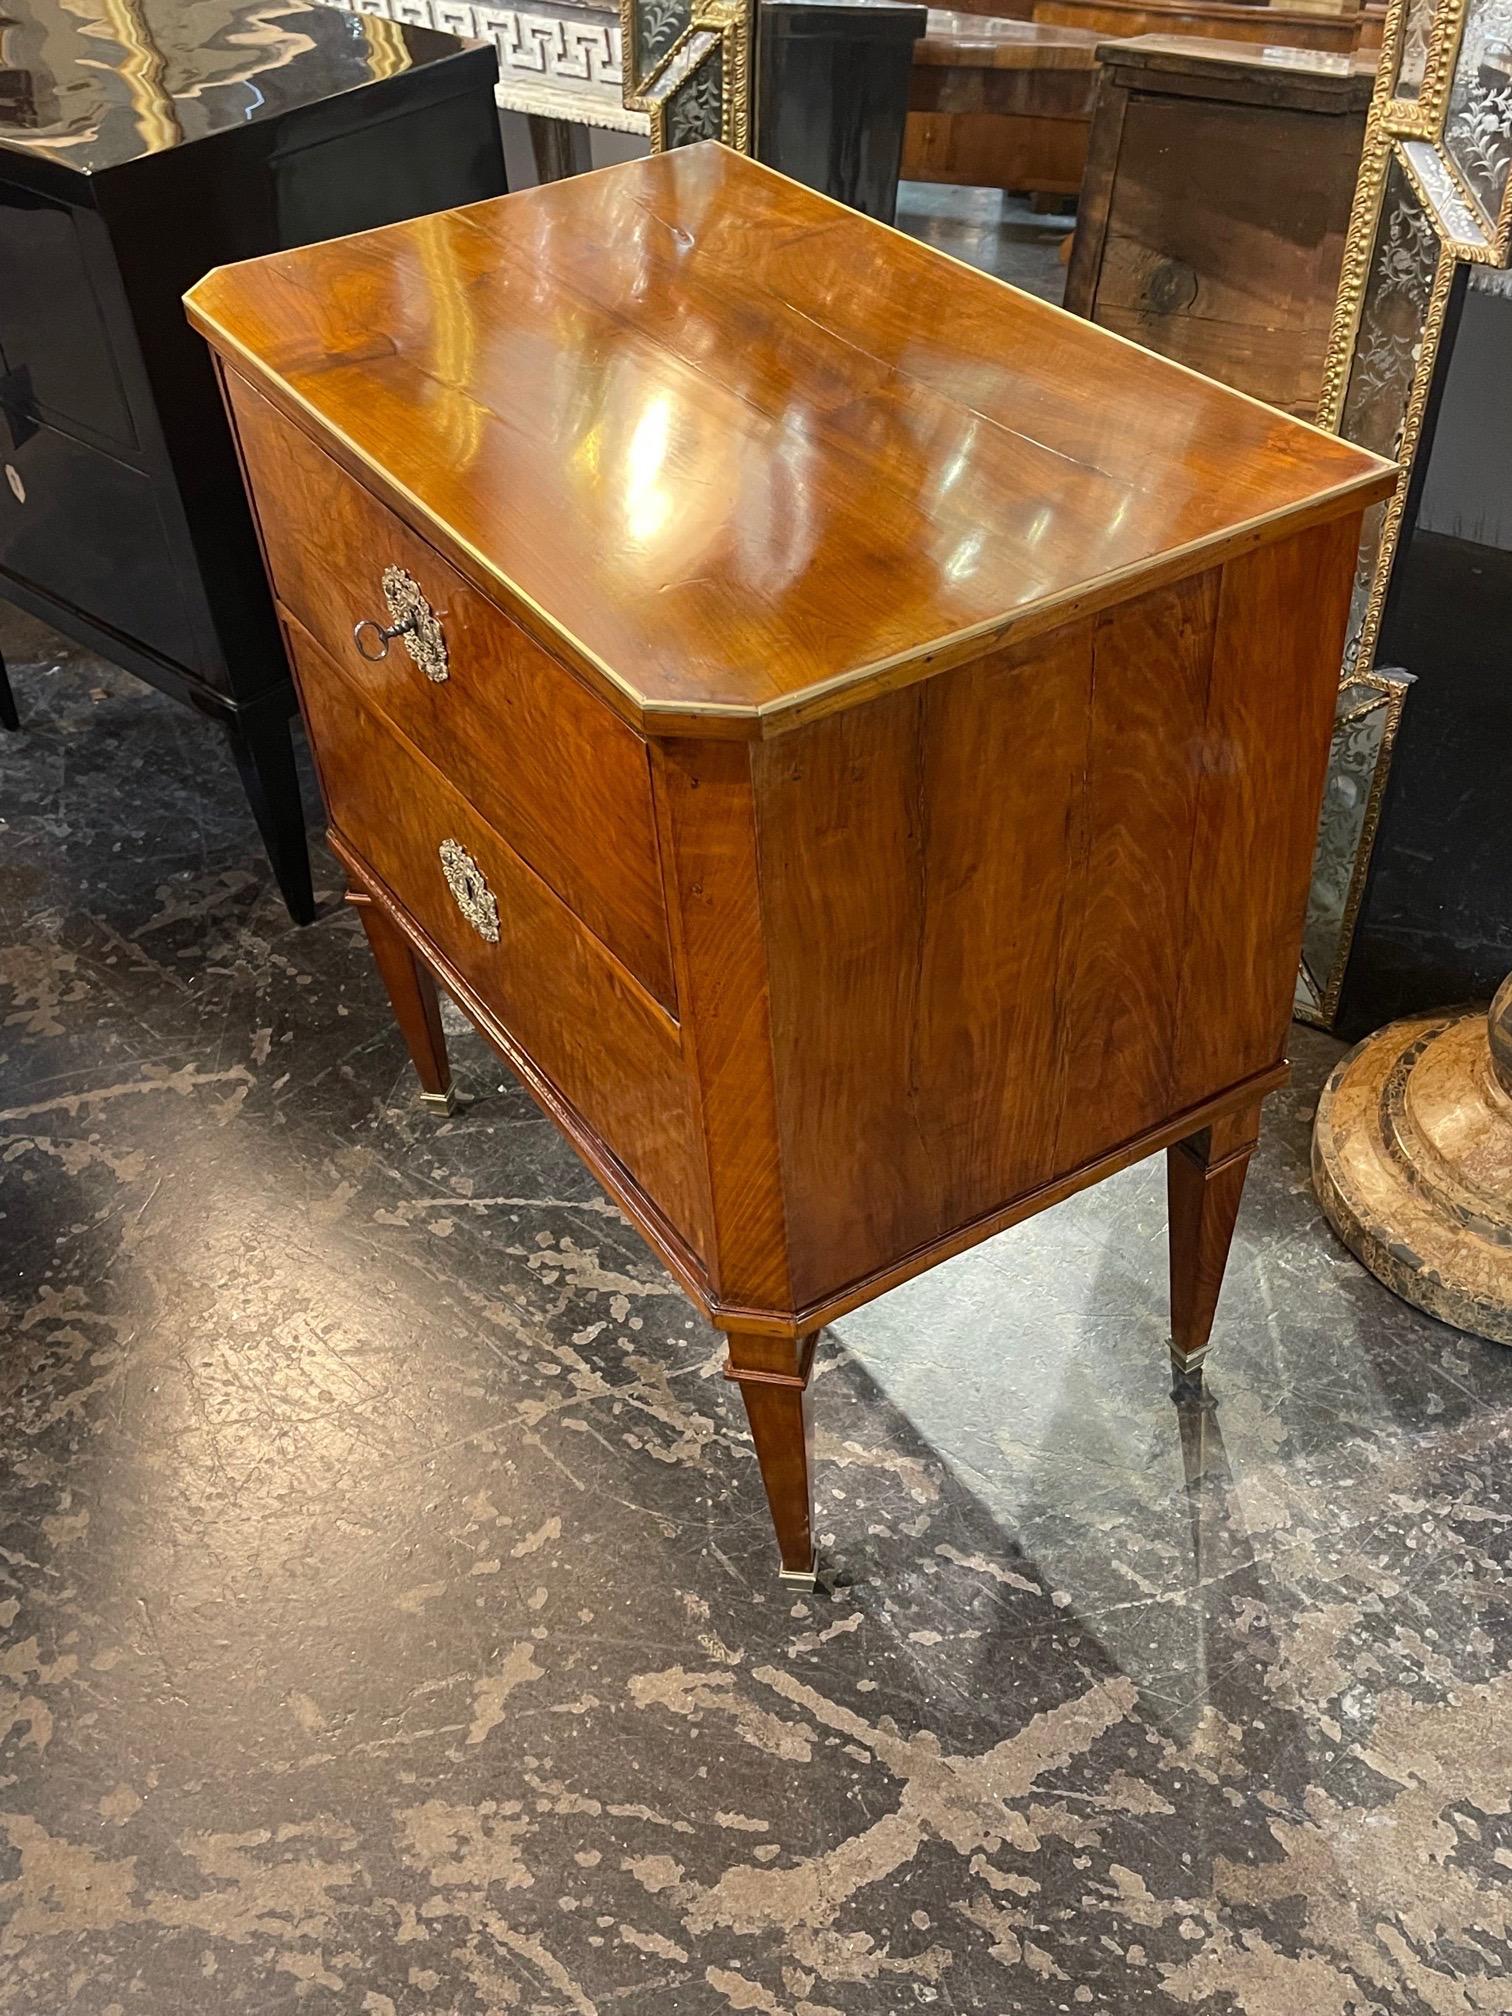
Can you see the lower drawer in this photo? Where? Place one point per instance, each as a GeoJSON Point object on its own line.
{"type": "Point", "coordinates": [612, 1052]}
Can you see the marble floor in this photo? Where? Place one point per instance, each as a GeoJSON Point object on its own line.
{"type": "Point", "coordinates": [1000, 233]}
{"type": "Point", "coordinates": [388, 1624]}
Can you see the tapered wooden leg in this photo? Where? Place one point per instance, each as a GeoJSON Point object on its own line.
{"type": "Point", "coordinates": [413, 998]}
{"type": "Point", "coordinates": [264, 751]}
{"type": "Point", "coordinates": [9, 718]}
{"type": "Point", "coordinates": [773, 1374]}
{"type": "Point", "coordinates": [1204, 1182]}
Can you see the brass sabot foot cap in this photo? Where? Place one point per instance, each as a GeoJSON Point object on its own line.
{"type": "Point", "coordinates": [802, 1578]}
{"type": "Point", "coordinates": [1412, 1163]}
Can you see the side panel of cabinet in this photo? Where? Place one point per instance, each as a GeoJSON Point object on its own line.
{"type": "Point", "coordinates": [1009, 917]}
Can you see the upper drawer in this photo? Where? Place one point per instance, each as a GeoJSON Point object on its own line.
{"type": "Point", "coordinates": [564, 780]}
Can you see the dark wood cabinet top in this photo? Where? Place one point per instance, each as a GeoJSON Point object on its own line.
{"type": "Point", "coordinates": [1322, 74]}
{"type": "Point", "coordinates": [744, 456]}
{"type": "Point", "coordinates": [92, 84]}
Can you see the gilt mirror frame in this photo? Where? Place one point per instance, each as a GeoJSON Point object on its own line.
{"type": "Point", "coordinates": [687, 66]}
{"type": "Point", "coordinates": [1432, 203]}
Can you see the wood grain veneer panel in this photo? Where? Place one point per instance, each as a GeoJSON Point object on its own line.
{"type": "Point", "coordinates": [1281, 619]}
{"type": "Point", "coordinates": [1151, 663]}
{"type": "Point", "coordinates": [919, 857]}
{"type": "Point", "coordinates": [708, 821]}
{"type": "Point", "coordinates": [610, 1051]}
{"type": "Point", "coordinates": [1024, 914]}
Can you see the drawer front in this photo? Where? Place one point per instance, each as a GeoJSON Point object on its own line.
{"type": "Point", "coordinates": [611, 1052]}
{"type": "Point", "coordinates": [564, 781]}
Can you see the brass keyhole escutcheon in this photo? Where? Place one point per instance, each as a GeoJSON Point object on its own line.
{"type": "Point", "coordinates": [469, 888]}
{"type": "Point", "coordinates": [413, 619]}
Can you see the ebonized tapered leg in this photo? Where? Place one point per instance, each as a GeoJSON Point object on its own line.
{"type": "Point", "coordinates": [1204, 1182]}
{"type": "Point", "coordinates": [413, 998]}
{"type": "Point", "coordinates": [773, 1374]}
{"type": "Point", "coordinates": [263, 747]}
{"type": "Point", "coordinates": [9, 718]}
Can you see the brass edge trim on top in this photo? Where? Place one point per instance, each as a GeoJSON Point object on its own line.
{"type": "Point", "coordinates": [773, 710]}
{"type": "Point", "coordinates": [1170, 567]}
{"type": "Point", "coordinates": [267, 377]}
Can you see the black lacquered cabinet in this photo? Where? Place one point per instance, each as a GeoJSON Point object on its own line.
{"type": "Point", "coordinates": [139, 148]}
{"type": "Point", "coordinates": [832, 96]}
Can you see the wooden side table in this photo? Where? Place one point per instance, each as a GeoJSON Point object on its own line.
{"type": "Point", "coordinates": [1000, 104]}
{"type": "Point", "coordinates": [1213, 214]}
{"type": "Point", "coordinates": [849, 733]}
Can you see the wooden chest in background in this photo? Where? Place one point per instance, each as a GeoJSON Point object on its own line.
{"type": "Point", "coordinates": [848, 733]}
{"type": "Point", "coordinates": [996, 103]}
{"type": "Point", "coordinates": [1217, 194]}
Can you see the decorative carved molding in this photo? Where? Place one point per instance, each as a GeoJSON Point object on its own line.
{"type": "Point", "coordinates": [688, 67]}
{"type": "Point", "coordinates": [677, 70]}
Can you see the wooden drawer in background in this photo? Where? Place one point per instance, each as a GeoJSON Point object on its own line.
{"type": "Point", "coordinates": [611, 1051]}
{"type": "Point", "coordinates": [565, 782]}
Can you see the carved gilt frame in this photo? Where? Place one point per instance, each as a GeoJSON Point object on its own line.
{"type": "Point", "coordinates": [1433, 199]}
{"type": "Point", "coordinates": [687, 66]}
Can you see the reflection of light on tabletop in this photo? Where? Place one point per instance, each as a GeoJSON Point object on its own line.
{"type": "Point", "coordinates": [648, 501]}
{"type": "Point", "coordinates": [963, 561]}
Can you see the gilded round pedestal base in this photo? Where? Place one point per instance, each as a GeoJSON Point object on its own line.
{"type": "Point", "coordinates": [1412, 1162]}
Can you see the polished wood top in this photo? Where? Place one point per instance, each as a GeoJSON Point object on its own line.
{"type": "Point", "coordinates": [743, 455]}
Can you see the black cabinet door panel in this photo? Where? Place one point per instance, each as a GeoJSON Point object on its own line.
{"type": "Point", "coordinates": [78, 525]}
{"type": "Point", "coordinates": [56, 359]}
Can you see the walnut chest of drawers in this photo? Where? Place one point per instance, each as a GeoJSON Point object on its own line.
{"type": "Point", "coordinates": [850, 734]}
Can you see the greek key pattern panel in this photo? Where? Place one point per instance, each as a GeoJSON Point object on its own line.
{"type": "Point", "coordinates": [576, 49]}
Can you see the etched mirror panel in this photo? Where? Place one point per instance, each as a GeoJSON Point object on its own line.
{"type": "Point", "coordinates": [695, 110]}
{"type": "Point", "coordinates": [1417, 31]}
{"type": "Point", "coordinates": [657, 25]}
{"type": "Point", "coordinates": [1388, 349]}
{"type": "Point", "coordinates": [1365, 725]}
{"type": "Point", "coordinates": [1393, 317]}
{"type": "Point", "coordinates": [1445, 130]}
{"type": "Point", "coordinates": [1372, 530]}
{"type": "Point", "coordinates": [1478, 120]}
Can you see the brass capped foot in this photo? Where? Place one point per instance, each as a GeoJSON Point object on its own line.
{"type": "Point", "coordinates": [443, 1102]}
{"type": "Point", "coordinates": [1186, 1370]}
{"type": "Point", "coordinates": [802, 1578]}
